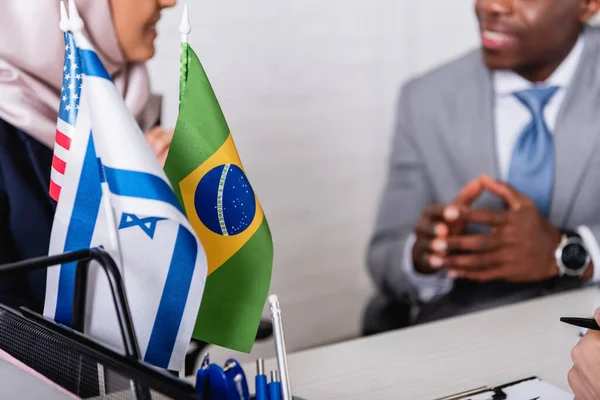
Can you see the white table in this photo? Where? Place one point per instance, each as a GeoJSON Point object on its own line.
{"type": "Point", "coordinates": [17, 381]}
{"type": "Point", "coordinates": [442, 358]}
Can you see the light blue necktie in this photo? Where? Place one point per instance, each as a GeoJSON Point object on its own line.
{"type": "Point", "coordinates": [532, 165]}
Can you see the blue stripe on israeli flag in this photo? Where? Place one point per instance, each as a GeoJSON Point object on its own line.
{"type": "Point", "coordinates": [80, 231]}
{"type": "Point", "coordinates": [173, 300]}
{"type": "Point", "coordinates": [140, 184]}
{"type": "Point", "coordinates": [92, 65]}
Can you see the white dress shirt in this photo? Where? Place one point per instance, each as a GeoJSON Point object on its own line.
{"type": "Point", "coordinates": [511, 117]}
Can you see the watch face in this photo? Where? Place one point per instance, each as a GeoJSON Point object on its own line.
{"type": "Point", "coordinates": [574, 256]}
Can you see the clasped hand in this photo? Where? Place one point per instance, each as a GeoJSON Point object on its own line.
{"type": "Point", "coordinates": [519, 247]}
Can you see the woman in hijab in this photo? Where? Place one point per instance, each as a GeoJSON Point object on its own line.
{"type": "Point", "coordinates": [31, 68]}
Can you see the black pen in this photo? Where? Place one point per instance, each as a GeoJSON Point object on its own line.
{"type": "Point", "coordinates": [588, 323]}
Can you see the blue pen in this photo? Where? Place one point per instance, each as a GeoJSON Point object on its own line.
{"type": "Point", "coordinates": [261, 380]}
{"type": "Point", "coordinates": [275, 386]}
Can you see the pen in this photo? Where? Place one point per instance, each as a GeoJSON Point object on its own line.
{"type": "Point", "coordinates": [274, 387]}
{"type": "Point", "coordinates": [260, 380]}
{"type": "Point", "coordinates": [280, 347]}
{"type": "Point", "coordinates": [588, 323]}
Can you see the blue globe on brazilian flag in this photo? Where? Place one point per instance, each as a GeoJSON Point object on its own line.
{"type": "Point", "coordinates": [206, 172]}
{"type": "Point", "coordinates": [224, 200]}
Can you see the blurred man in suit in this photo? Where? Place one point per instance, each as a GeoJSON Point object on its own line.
{"type": "Point", "coordinates": [493, 193]}
{"type": "Point", "coordinates": [584, 377]}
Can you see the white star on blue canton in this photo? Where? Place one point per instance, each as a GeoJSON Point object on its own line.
{"type": "Point", "coordinates": [70, 93]}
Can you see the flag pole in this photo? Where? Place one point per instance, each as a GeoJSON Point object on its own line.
{"type": "Point", "coordinates": [64, 18]}
{"type": "Point", "coordinates": [75, 21]}
{"type": "Point", "coordinates": [76, 26]}
{"type": "Point", "coordinates": [81, 269]}
{"type": "Point", "coordinates": [184, 30]}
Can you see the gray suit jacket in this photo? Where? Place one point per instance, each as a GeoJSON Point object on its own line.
{"type": "Point", "coordinates": [444, 137]}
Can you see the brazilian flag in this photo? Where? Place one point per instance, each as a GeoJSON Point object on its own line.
{"type": "Point", "coordinates": [206, 172]}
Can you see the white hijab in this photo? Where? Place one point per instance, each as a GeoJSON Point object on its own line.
{"type": "Point", "coordinates": [31, 65]}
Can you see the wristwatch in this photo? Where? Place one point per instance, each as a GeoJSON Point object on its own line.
{"type": "Point", "coordinates": [571, 255]}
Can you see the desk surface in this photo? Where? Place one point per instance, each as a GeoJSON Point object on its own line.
{"type": "Point", "coordinates": [21, 382]}
{"type": "Point", "coordinates": [438, 359]}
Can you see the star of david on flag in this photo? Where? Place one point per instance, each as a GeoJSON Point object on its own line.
{"type": "Point", "coordinates": [148, 225]}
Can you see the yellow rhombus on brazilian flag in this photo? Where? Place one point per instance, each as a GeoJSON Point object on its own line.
{"type": "Point", "coordinates": [206, 172]}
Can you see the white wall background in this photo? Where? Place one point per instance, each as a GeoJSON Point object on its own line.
{"type": "Point", "coordinates": [308, 88]}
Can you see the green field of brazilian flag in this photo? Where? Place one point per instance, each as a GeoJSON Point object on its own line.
{"type": "Point", "coordinates": [208, 177]}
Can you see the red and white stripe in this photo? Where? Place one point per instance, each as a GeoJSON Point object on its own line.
{"type": "Point", "coordinates": [62, 145]}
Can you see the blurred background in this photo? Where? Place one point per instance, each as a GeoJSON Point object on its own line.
{"type": "Point", "coordinates": [309, 89]}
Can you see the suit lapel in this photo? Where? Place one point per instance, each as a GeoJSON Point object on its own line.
{"type": "Point", "coordinates": [577, 128]}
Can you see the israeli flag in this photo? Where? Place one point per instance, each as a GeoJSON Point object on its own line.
{"type": "Point", "coordinates": [116, 195]}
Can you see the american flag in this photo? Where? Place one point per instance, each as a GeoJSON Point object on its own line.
{"type": "Point", "coordinates": [67, 114]}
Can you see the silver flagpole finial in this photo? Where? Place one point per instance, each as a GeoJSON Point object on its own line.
{"type": "Point", "coordinates": [75, 21]}
{"type": "Point", "coordinates": [185, 28]}
{"type": "Point", "coordinates": [64, 17]}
